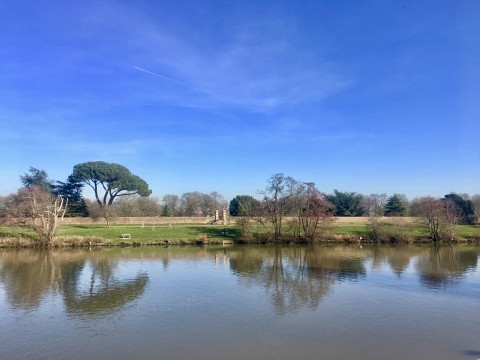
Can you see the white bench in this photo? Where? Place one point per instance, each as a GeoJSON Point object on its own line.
{"type": "Point", "coordinates": [125, 236]}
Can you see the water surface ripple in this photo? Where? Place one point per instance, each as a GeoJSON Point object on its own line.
{"type": "Point", "coordinates": [250, 302]}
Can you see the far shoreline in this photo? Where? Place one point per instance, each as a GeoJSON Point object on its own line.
{"type": "Point", "coordinates": [200, 231]}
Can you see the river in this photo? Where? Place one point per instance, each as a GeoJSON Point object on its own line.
{"type": "Point", "coordinates": [241, 302]}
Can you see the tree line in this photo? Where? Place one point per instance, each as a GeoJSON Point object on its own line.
{"type": "Point", "coordinates": [310, 211]}
{"type": "Point", "coordinates": [42, 201]}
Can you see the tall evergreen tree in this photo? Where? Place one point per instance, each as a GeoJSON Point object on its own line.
{"type": "Point", "coordinates": [244, 205]}
{"type": "Point", "coordinates": [36, 178]}
{"type": "Point", "coordinates": [395, 206]}
{"type": "Point", "coordinates": [346, 203]}
{"type": "Point", "coordinates": [71, 190]}
{"type": "Point", "coordinates": [464, 208]}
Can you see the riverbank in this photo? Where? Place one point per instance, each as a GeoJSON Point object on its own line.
{"type": "Point", "coordinates": [358, 230]}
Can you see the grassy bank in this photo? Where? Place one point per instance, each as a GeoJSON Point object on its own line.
{"type": "Point", "coordinates": [162, 234]}
{"type": "Point", "coordinates": [178, 233]}
{"type": "Point", "coordinates": [85, 235]}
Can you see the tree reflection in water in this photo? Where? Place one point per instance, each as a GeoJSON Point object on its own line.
{"type": "Point", "coordinates": [295, 277]}
{"type": "Point", "coordinates": [446, 265]}
{"type": "Point", "coordinates": [29, 275]}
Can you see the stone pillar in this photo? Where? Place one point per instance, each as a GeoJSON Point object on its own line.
{"type": "Point", "coordinates": [216, 216]}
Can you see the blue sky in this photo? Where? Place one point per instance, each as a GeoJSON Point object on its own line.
{"type": "Point", "coordinates": [364, 96]}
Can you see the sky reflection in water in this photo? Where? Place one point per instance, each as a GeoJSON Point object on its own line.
{"type": "Point", "coordinates": [332, 302]}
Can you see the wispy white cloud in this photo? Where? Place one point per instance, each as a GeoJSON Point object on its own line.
{"type": "Point", "coordinates": [256, 67]}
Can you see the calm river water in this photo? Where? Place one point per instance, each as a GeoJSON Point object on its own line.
{"type": "Point", "coordinates": [328, 302]}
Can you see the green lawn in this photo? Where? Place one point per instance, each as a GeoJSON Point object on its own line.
{"type": "Point", "coordinates": [350, 229]}
{"type": "Point", "coordinates": [469, 231]}
{"type": "Point", "coordinates": [151, 233]}
{"type": "Point", "coordinates": [16, 232]}
{"type": "Point", "coordinates": [190, 233]}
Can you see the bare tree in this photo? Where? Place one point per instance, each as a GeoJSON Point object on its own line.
{"type": "Point", "coordinates": [374, 204]}
{"type": "Point", "coordinates": [414, 207]}
{"type": "Point", "coordinates": [135, 205]}
{"type": "Point", "coordinates": [5, 202]}
{"type": "Point", "coordinates": [191, 204]}
{"type": "Point", "coordinates": [220, 202]}
{"type": "Point", "coordinates": [453, 215]}
{"type": "Point", "coordinates": [199, 204]}
{"type": "Point", "coordinates": [208, 205]}
{"type": "Point", "coordinates": [315, 212]}
{"type": "Point", "coordinates": [277, 201]}
{"type": "Point", "coordinates": [148, 206]}
{"type": "Point", "coordinates": [171, 205]}
{"type": "Point", "coordinates": [441, 217]}
{"type": "Point", "coordinates": [125, 206]}
{"type": "Point", "coordinates": [37, 210]}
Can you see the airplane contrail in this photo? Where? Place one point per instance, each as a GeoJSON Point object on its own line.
{"type": "Point", "coordinates": [172, 80]}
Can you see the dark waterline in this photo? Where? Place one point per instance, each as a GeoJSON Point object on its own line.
{"type": "Point", "coordinates": [328, 302]}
